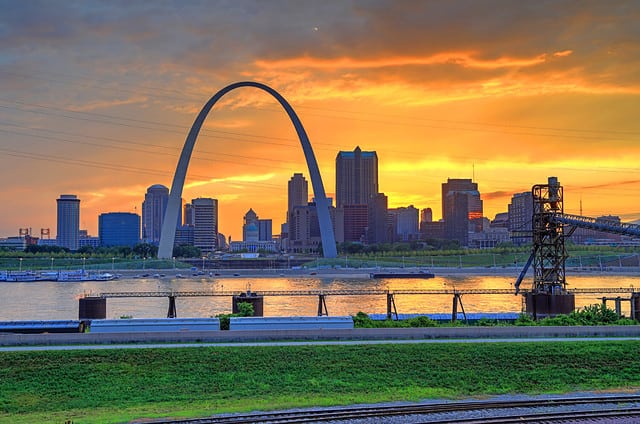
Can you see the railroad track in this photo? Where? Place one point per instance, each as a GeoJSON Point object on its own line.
{"type": "Point", "coordinates": [627, 416]}
{"type": "Point", "coordinates": [623, 408]}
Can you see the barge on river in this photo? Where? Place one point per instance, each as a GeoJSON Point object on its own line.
{"type": "Point", "coordinates": [419, 274]}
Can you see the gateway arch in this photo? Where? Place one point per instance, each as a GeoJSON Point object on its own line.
{"type": "Point", "coordinates": [167, 237]}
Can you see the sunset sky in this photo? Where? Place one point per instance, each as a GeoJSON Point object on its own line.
{"type": "Point", "coordinates": [96, 99]}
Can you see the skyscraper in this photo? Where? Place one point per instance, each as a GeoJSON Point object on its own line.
{"type": "Point", "coordinates": [426, 215]}
{"type": "Point", "coordinates": [297, 195]}
{"type": "Point", "coordinates": [188, 215]}
{"type": "Point", "coordinates": [265, 232]}
{"type": "Point", "coordinates": [356, 177]}
{"type": "Point", "coordinates": [153, 209]}
{"type": "Point", "coordinates": [298, 192]}
{"type": "Point", "coordinates": [520, 215]}
{"type": "Point", "coordinates": [405, 220]}
{"type": "Point", "coordinates": [377, 219]}
{"type": "Point", "coordinates": [250, 231]}
{"type": "Point", "coordinates": [68, 232]}
{"type": "Point", "coordinates": [306, 235]}
{"type": "Point", "coordinates": [461, 209]}
{"type": "Point", "coordinates": [205, 232]}
{"type": "Point", "coordinates": [356, 222]}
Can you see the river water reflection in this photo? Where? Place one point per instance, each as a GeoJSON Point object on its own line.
{"type": "Point", "coordinates": [55, 300]}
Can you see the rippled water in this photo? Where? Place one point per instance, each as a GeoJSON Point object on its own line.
{"type": "Point", "coordinates": [54, 300]}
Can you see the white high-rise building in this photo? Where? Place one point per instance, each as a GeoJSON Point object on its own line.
{"type": "Point", "coordinates": [205, 217]}
{"type": "Point", "coordinates": [68, 233]}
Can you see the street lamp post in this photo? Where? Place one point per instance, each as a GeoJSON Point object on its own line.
{"type": "Point", "coordinates": [174, 262]}
{"type": "Point", "coordinates": [51, 264]}
{"type": "Point", "coordinates": [203, 258]}
{"type": "Point", "coordinates": [144, 262]}
{"type": "Point", "coordinates": [84, 263]}
{"type": "Point", "coordinates": [20, 269]}
{"type": "Point", "coordinates": [113, 264]}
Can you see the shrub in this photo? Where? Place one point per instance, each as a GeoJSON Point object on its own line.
{"type": "Point", "coordinates": [524, 320]}
{"type": "Point", "coordinates": [486, 322]}
{"type": "Point", "coordinates": [595, 315]}
{"type": "Point", "coordinates": [362, 320]}
{"type": "Point", "coordinates": [245, 309]}
{"type": "Point", "coordinates": [421, 322]}
{"type": "Point", "coordinates": [559, 320]}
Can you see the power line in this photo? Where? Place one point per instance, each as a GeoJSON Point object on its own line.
{"type": "Point", "coordinates": [174, 150]}
{"type": "Point", "coordinates": [119, 167]}
{"type": "Point", "coordinates": [180, 95]}
{"type": "Point", "coordinates": [53, 111]}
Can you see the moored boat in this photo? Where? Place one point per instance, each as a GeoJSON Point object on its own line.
{"type": "Point", "coordinates": [21, 276]}
{"type": "Point", "coordinates": [419, 274]}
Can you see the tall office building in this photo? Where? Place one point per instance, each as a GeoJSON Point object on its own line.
{"type": "Point", "coordinates": [188, 215]}
{"type": "Point", "coordinates": [119, 229]}
{"type": "Point", "coordinates": [461, 209]}
{"type": "Point", "coordinates": [405, 223]}
{"type": "Point", "coordinates": [205, 231]}
{"type": "Point", "coordinates": [265, 229]}
{"type": "Point", "coordinates": [426, 215]}
{"type": "Point", "coordinates": [250, 230]}
{"type": "Point", "coordinates": [426, 222]}
{"type": "Point", "coordinates": [456, 221]}
{"type": "Point", "coordinates": [356, 222]}
{"type": "Point", "coordinates": [305, 237]}
{"type": "Point", "coordinates": [520, 215]}
{"type": "Point", "coordinates": [377, 215]}
{"type": "Point", "coordinates": [297, 196]}
{"type": "Point", "coordinates": [298, 192]}
{"type": "Point", "coordinates": [356, 177]}
{"type": "Point", "coordinates": [68, 233]}
{"type": "Point", "coordinates": [153, 209]}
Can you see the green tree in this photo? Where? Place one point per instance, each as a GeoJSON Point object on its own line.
{"type": "Point", "coordinates": [186, 251]}
{"type": "Point", "coordinates": [245, 309]}
{"type": "Point", "coordinates": [145, 250]}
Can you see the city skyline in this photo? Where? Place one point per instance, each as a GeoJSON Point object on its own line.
{"type": "Point", "coordinates": [97, 100]}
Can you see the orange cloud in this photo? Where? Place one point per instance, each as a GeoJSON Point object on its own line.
{"type": "Point", "coordinates": [563, 53]}
{"type": "Point", "coordinates": [463, 59]}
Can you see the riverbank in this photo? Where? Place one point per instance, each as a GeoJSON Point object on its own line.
{"type": "Point", "coordinates": [359, 273]}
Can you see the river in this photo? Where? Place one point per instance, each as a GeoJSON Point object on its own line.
{"type": "Point", "coordinates": [48, 300]}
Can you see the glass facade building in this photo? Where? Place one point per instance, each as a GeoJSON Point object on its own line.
{"type": "Point", "coordinates": [119, 229]}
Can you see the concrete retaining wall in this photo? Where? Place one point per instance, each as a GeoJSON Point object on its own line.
{"type": "Point", "coordinates": [336, 334]}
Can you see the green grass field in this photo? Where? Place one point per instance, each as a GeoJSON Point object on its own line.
{"type": "Point", "coordinates": [120, 385]}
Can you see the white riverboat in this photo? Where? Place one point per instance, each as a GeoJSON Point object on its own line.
{"type": "Point", "coordinates": [21, 276]}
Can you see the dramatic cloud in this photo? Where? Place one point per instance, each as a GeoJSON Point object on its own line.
{"type": "Point", "coordinates": [100, 94]}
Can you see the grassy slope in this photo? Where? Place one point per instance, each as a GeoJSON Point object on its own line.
{"type": "Point", "coordinates": [119, 385]}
